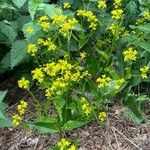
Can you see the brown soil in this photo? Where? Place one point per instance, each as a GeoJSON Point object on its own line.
{"type": "Point", "coordinates": [118, 133]}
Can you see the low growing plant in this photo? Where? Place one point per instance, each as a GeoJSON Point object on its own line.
{"type": "Point", "coordinates": [85, 54]}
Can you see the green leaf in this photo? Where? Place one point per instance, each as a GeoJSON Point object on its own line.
{"type": "Point", "coordinates": [19, 3]}
{"type": "Point", "coordinates": [7, 29]}
{"type": "Point", "coordinates": [33, 6]}
{"type": "Point", "coordinates": [50, 10]}
{"type": "Point", "coordinates": [5, 62]}
{"type": "Point", "coordinates": [59, 104]}
{"type": "Point", "coordinates": [145, 28]}
{"type": "Point", "coordinates": [4, 5]}
{"type": "Point", "coordinates": [4, 120]}
{"type": "Point", "coordinates": [130, 102]}
{"type": "Point", "coordinates": [45, 125]}
{"type": "Point", "coordinates": [72, 124]}
{"type": "Point", "coordinates": [5, 123]}
{"type": "Point", "coordinates": [145, 45]}
{"type": "Point", "coordinates": [18, 52]}
{"type": "Point", "coordinates": [2, 95]}
{"type": "Point", "coordinates": [33, 36]}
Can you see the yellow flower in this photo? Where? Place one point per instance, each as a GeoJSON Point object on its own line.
{"type": "Point", "coordinates": [86, 106]}
{"type": "Point", "coordinates": [43, 18]}
{"type": "Point", "coordinates": [59, 19]}
{"type": "Point", "coordinates": [32, 49]}
{"type": "Point", "coordinates": [144, 71]}
{"type": "Point", "coordinates": [45, 25]}
{"type": "Point", "coordinates": [117, 13]}
{"type": "Point", "coordinates": [119, 83]}
{"type": "Point", "coordinates": [102, 116]}
{"type": "Point", "coordinates": [22, 107]}
{"type": "Point", "coordinates": [103, 81]}
{"type": "Point", "coordinates": [116, 30]}
{"type": "Point", "coordinates": [117, 3]}
{"type": "Point", "coordinates": [102, 4]}
{"type": "Point", "coordinates": [16, 120]}
{"type": "Point", "coordinates": [29, 30]}
{"type": "Point", "coordinates": [67, 26]}
{"type": "Point", "coordinates": [48, 43]}
{"type": "Point", "coordinates": [72, 147]}
{"type": "Point", "coordinates": [130, 54]}
{"type": "Point", "coordinates": [91, 18]}
{"type": "Point", "coordinates": [38, 74]}
{"type": "Point", "coordinates": [63, 143]}
{"type": "Point", "coordinates": [23, 83]}
{"type": "Point", "coordinates": [82, 55]}
{"type": "Point", "coordinates": [66, 5]}
{"type": "Point", "coordinates": [146, 15]}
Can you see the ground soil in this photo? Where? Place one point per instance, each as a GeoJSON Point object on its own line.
{"type": "Point", "coordinates": [117, 134]}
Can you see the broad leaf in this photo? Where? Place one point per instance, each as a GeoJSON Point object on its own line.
{"type": "Point", "coordinates": [7, 29]}
{"type": "Point", "coordinates": [18, 52]}
{"type": "Point", "coordinates": [19, 3]}
{"type": "Point", "coordinates": [33, 6]}
{"type": "Point", "coordinates": [45, 125]}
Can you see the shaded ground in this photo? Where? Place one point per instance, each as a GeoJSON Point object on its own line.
{"type": "Point", "coordinates": [118, 134]}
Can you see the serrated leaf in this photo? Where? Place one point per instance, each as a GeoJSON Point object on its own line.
{"type": "Point", "coordinates": [33, 6]}
{"type": "Point", "coordinates": [35, 34]}
{"type": "Point", "coordinates": [4, 5]}
{"type": "Point", "coordinates": [50, 10]}
{"type": "Point", "coordinates": [18, 52]}
{"type": "Point", "coordinates": [19, 3]}
{"type": "Point", "coordinates": [7, 29]}
{"type": "Point", "coordinates": [5, 123]}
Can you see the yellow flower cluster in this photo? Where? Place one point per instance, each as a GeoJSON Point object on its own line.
{"type": "Point", "coordinates": [67, 26]}
{"type": "Point", "coordinates": [146, 15]}
{"type": "Point", "coordinates": [116, 30]}
{"type": "Point", "coordinates": [32, 49]}
{"type": "Point", "coordinates": [86, 106]}
{"type": "Point", "coordinates": [17, 119]}
{"type": "Point", "coordinates": [130, 54]}
{"type": "Point", "coordinates": [38, 75]}
{"type": "Point", "coordinates": [48, 43]}
{"type": "Point", "coordinates": [82, 55]}
{"type": "Point", "coordinates": [29, 30]}
{"type": "Point", "coordinates": [23, 83]}
{"type": "Point", "coordinates": [117, 3]}
{"type": "Point", "coordinates": [58, 19]}
{"type": "Point", "coordinates": [64, 144]}
{"type": "Point", "coordinates": [22, 107]}
{"type": "Point", "coordinates": [117, 13]}
{"type": "Point", "coordinates": [103, 81]}
{"type": "Point", "coordinates": [63, 73]}
{"type": "Point", "coordinates": [91, 18]}
{"type": "Point", "coordinates": [102, 4]}
{"type": "Point", "coordinates": [119, 83]}
{"type": "Point", "coordinates": [66, 5]}
{"type": "Point", "coordinates": [144, 71]}
{"type": "Point", "coordinates": [102, 116]}
{"type": "Point", "coordinates": [44, 23]}
{"type": "Point", "coordinates": [72, 147]}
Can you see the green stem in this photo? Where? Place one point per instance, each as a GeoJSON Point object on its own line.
{"type": "Point", "coordinates": [35, 100]}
